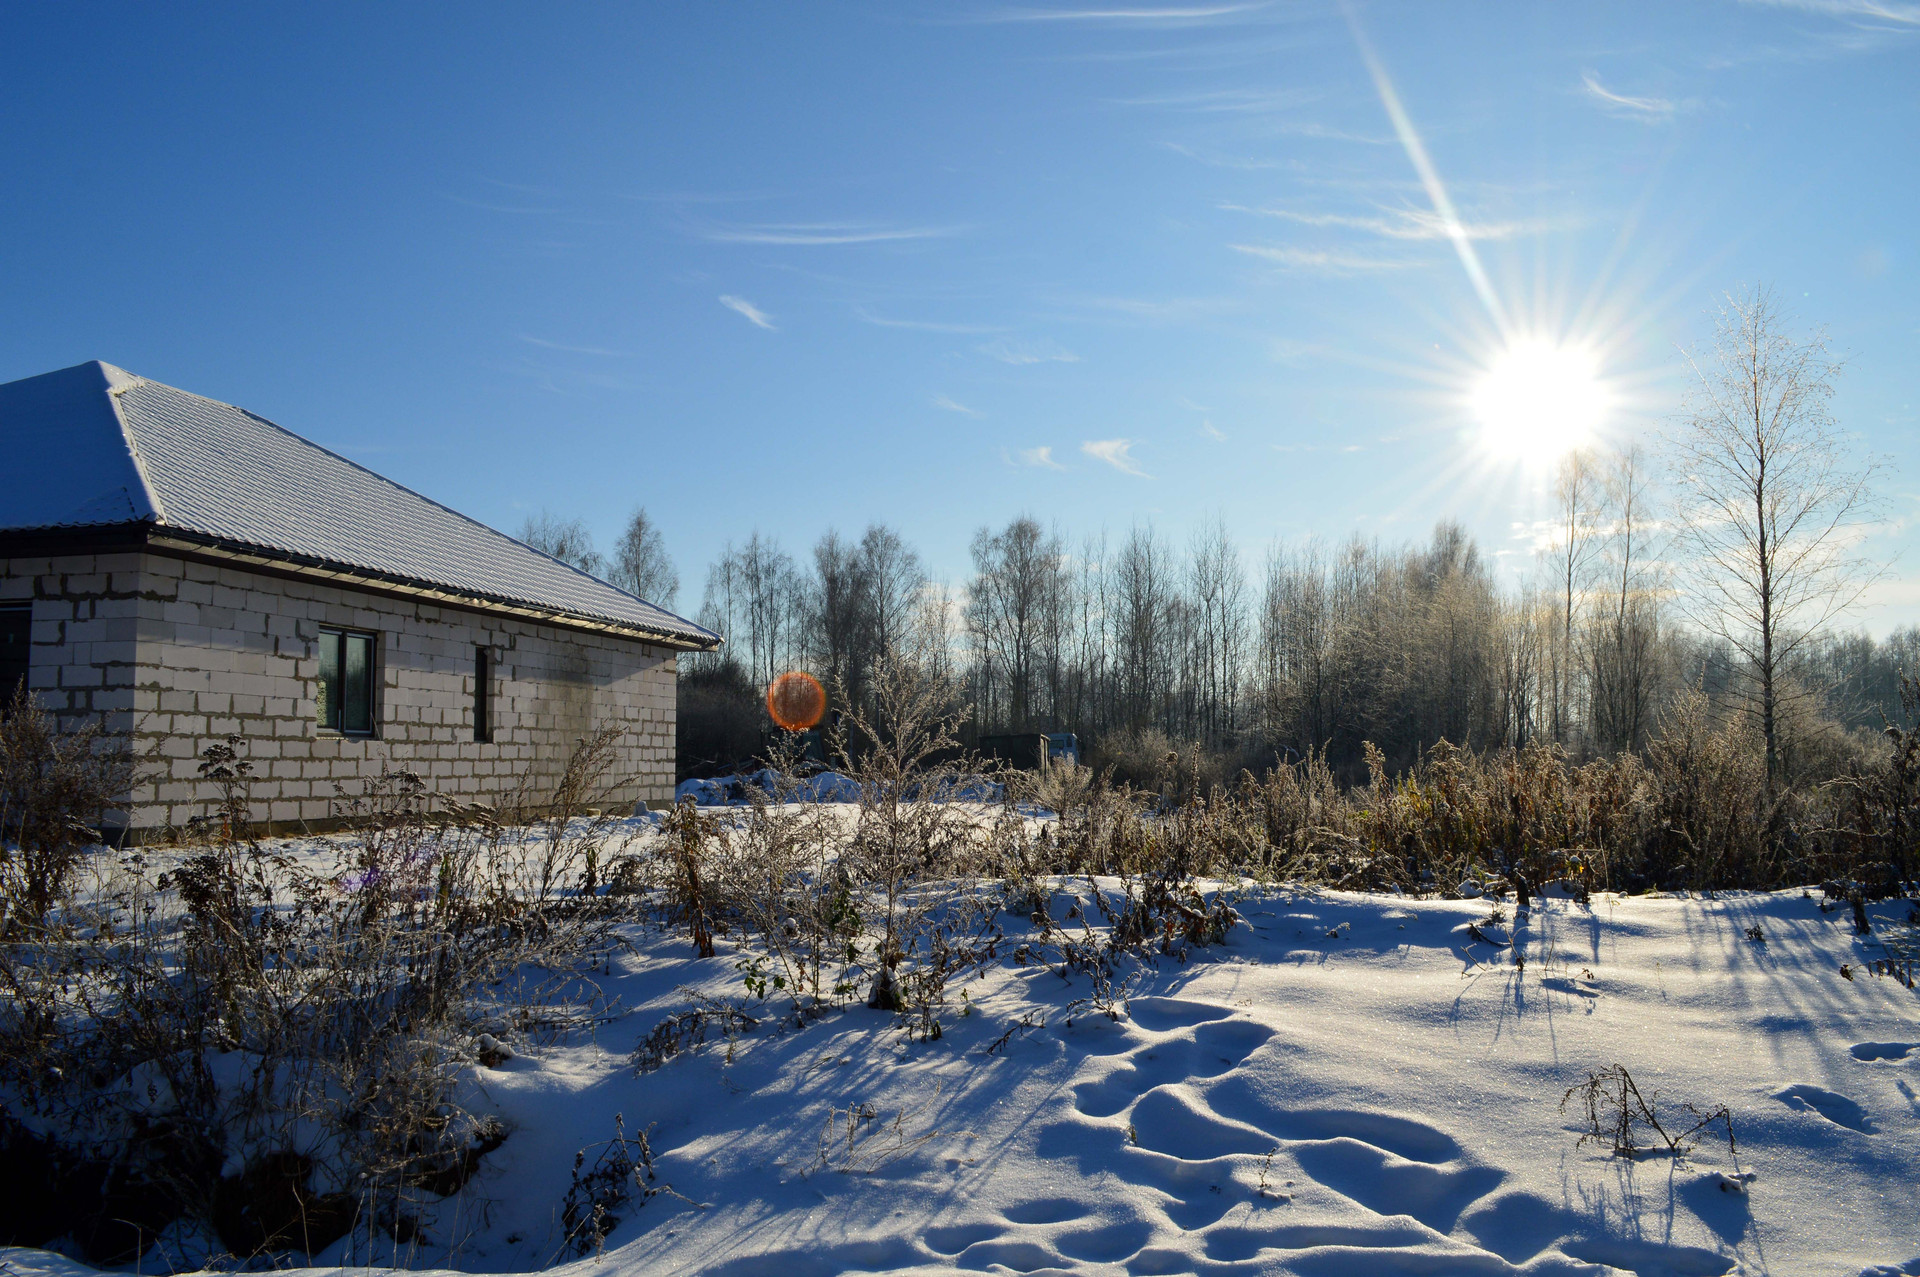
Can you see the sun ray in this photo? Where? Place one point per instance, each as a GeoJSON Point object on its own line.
{"type": "Point", "coordinates": [1423, 165]}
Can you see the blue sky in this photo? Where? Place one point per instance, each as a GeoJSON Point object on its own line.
{"type": "Point", "coordinates": [798, 266]}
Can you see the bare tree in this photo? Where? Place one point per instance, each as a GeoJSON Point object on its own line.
{"type": "Point", "coordinates": [895, 578]}
{"type": "Point", "coordinates": [1306, 619]}
{"type": "Point", "coordinates": [1087, 703]}
{"type": "Point", "coordinates": [753, 599]}
{"type": "Point", "coordinates": [773, 595]}
{"type": "Point", "coordinates": [1144, 603]}
{"type": "Point", "coordinates": [862, 608]}
{"type": "Point", "coordinates": [1453, 617]}
{"type": "Point", "coordinates": [1006, 618]}
{"type": "Point", "coordinates": [935, 611]}
{"type": "Point", "coordinates": [1526, 631]}
{"type": "Point", "coordinates": [721, 609]}
{"type": "Point", "coordinates": [1770, 505]}
{"type": "Point", "coordinates": [566, 540]}
{"type": "Point", "coordinates": [1218, 608]}
{"type": "Point", "coordinates": [1624, 638]}
{"type": "Point", "coordinates": [836, 615]}
{"type": "Point", "coordinates": [641, 565]}
{"type": "Point", "coordinates": [1576, 501]}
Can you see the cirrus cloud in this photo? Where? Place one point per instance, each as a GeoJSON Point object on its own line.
{"type": "Point", "coordinates": [1028, 352]}
{"type": "Point", "coordinates": [754, 315]}
{"type": "Point", "coordinates": [1650, 109]}
{"type": "Point", "coordinates": [1040, 458]}
{"type": "Point", "coordinates": [1117, 453]}
{"type": "Point", "coordinates": [1404, 223]}
{"type": "Point", "coordinates": [1331, 263]}
{"type": "Point", "coordinates": [820, 233]}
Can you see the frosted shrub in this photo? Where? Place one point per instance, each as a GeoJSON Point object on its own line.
{"type": "Point", "coordinates": [55, 787]}
{"type": "Point", "coordinates": [918, 848]}
{"type": "Point", "coordinates": [303, 1023]}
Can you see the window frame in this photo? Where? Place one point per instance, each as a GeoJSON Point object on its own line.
{"type": "Point", "coordinates": [339, 637]}
{"type": "Point", "coordinates": [482, 706]}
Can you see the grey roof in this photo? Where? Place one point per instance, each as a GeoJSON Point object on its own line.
{"type": "Point", "coordinates": [93, 446]}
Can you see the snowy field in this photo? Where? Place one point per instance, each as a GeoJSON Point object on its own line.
{"type": "Point", "coordinates": [1352, 1084]}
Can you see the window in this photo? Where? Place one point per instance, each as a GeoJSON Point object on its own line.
{"type": "Point", "coordinates": [346, 682]}
{"type": "Point", "coordinates": [482, 695]}
{"type": "Point", "coordinates": [16, 630]}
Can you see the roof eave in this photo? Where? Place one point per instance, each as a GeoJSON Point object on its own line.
{"type": "Point", "coordinates": [179, 540]}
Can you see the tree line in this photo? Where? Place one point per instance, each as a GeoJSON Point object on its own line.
{"type": "Point", "coordinates": [1725, 578]}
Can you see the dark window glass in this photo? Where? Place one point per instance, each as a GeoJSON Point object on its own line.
{"type": "Point", "coordinates": [482, 707]}
{"type": "Point", "coordinates": [329, 693]}
{"type": "Point", "coordinates": [346, 682]}
{"type": "Point", "coordinates": [16, 631]}
{"type": "Point", "coordinates": [356, 684]}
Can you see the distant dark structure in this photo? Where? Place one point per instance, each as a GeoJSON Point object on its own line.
{"type": "Point", "coordinates": [1031, 751]}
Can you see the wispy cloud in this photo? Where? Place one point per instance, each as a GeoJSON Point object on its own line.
{"type": "Point", "coordinates": [1327, 133]}
{"type": "Point", "coordinates": [544, 344]}
{"type": "Point", "coordinates": [1318, 447]}
{"type": "Point", "coordinates": [1403, 223]}
{"type": "Point", "coordinates": [1165, 309]}
{"type": "Point", "coordinates": [755, 316]}
{"type": "Point", "coordinates": [1225, 101]}
{"type": "Point", "coordinates": [1868, 10]}
{"type": "Point", "coordinates": [1308, 129]}
{"type": "Point", "coordinates": [1247, 163]}
{"type": "Point", "coordinates": [1651, 110]}
{"type": "Point", "coordinates": [1285, 350]}
{"type": "Point", "coordinates": [1117, 453]}
{"type": "Point", "coordinates": [941, 401]}
{"type": "Point", "coordinates": [565, 381]}
{"type": "Point", "coordinates": [1212, 431]}
{"type": "Point", "coordinates": [1312, 259]}
{"type": "Point", "coordinates": [921, 325]}
{"type": "Point", "coordinates": [1028, 352]}
{"type": "Point", "coordinates": [1157, 15]}
{"type": "Point", "coordinates": [1038, 458]}
{"type": "Point", "coordinates": [820, 233]}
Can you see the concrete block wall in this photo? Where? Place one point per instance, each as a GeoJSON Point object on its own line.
{"type": "Point", "coordinates": [180, 653]}
{"type": "Point", "coordinates": [85, 632]}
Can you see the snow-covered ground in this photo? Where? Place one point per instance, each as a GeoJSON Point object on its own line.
{"type": "Point", "coordinates": [1352, 1084]}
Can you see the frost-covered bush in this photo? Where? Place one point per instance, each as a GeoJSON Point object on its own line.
{"type": "Point", "coordinates": [55, 787]}
{"type": "Point", "coordinates": [1879, 806]}
{"type": "Point", "coordinates": [918, 849]}
{"type": "Point", "coordinates": [263, 1050]}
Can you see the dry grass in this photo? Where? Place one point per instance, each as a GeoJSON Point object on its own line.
{"type": "Point", "coordinates": [225, 1003]}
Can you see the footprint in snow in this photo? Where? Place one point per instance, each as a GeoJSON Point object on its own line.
{"type": "Point", "coordinates": [1889, 1052]}
{"type": "Point", "coordinates": [1160, 1015]}
{"type": "Point", "coordinates": [1213, 1048]}
{"type": "Point", "coordinates": [1833, 1106]}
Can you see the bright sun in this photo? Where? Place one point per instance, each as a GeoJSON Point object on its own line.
{"type": "Point", "coordinates": [1539, 400]}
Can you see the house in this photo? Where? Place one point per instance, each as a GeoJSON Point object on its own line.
{"type": "Point", "coordinates": [183, 570]}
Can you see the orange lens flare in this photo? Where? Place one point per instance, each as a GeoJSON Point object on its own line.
{"type": "Point", "coordinates": [796, 700]}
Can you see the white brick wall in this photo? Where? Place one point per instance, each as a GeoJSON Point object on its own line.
{"type": "Point", "coordinates": [180, 653]}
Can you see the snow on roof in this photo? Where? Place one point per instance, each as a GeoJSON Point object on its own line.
{"type": "Point", "coordinates": [94, 446]}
